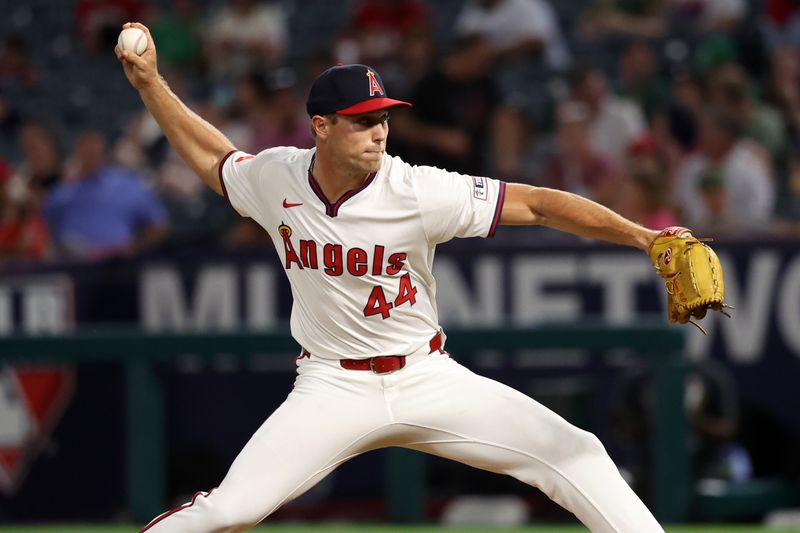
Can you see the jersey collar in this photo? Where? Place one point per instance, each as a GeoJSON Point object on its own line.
{"type": "Point", "coordinates": [332, 209]}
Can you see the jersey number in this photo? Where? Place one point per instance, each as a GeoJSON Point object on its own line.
{"type": "Point", "coordinates": [377, 304]}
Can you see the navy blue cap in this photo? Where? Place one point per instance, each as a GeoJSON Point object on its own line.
{"type": "Point", "coordinates": [348, 90]}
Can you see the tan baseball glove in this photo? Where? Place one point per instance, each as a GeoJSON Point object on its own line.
{"type": "Point", "coordinates": [692, 274]}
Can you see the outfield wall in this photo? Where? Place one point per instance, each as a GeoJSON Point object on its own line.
{"type": "Point", "coordinates": [214, 407]}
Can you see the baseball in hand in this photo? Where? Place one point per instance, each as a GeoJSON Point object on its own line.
{"type": "Point", "coordinates": [132, 39]}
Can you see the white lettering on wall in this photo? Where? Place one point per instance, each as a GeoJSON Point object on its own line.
{"type": "Point", "coordinates": [165, 307]}
{"type": "Point", "coordinates": [458, 303]}
{"type": "Point", "coordinates": [261, 297]}
{"type": "Point", "coordinates": [788, 306]}
{"type": "Point", "coordinates": [6, 318]}
{"type": "Point", "coordinates": [45, 305]}
{"type": "Point", "coordinates": [43, 309]}
{"type": "Point", "coordinates": [530, 302]}
{"type": "Point", "coordinates": [620, 274]}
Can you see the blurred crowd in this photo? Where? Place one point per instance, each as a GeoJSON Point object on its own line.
{"type": "Point", "coordinates": [668, 111]}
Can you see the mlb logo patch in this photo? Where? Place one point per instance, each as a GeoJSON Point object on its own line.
{"type": "Point", "coordinates": [479, 190]}
{"type": "Point", "coordinates": [32, 399]}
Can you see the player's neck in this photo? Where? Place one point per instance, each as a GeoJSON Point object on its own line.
{"type": "Point", "coordinates": [334, 179]}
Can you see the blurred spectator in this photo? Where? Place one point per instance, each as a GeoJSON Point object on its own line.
{"type": "Point", "coordinates": [235, 129]}
{"type": "Point", "coordinates": [516, 28]}
{"type": "Point", "coordinates": [727, 186]}
{"type": "Point", "coordinates": [639, 79]}
{"type": "Point", "coordinates": [714, 51]}
{"type": "Point", "coordinates": [239, 232]}
{"type": "Point", "coordinates": [378, 32]}
{"type": "Point", "coordinates": [614, 122]}
{"type": "Point", "coordinates": [673, 134]}
{"type": "Point", "coordinates": [730, 89]}
{"type": "Point", "coordinates": [745, 47]}
{"type": "Point", "coordinates": [41, 165]}
{"type": "Point", "coordinates": [246, 36]}
{"type": "Point", "coordinates": [574, 165]}
{"type": "Point", "coordinates": [177, 33]}
{"type": "Point", "coordinates": [273, 110]}
{"type": "Point", "coordinates": [624, 18]}
{"type": "Point", "coordinates": [645, 196]}
{"type": "Point", "coordinates": [197, 215]}
{"type": "Point", "coordinates": [23, 232]}
{"type": "Point", "coordinates": [100, 211]}
{"type": "Point", "coordinates": [100, 21]}
{"type": "Point", "coordinates": [657, 19]}
{"type": "Point", "coordinates": [780, 23]}
{"type": "Point", "coordinates": [688, 92]}
{"type": "Point", "coordinates": [142, 144]}
{"type": "Point", "coordinates": [314, 65]}
{"type": "Point", "coordinates": [783, 90]}
{"type": "Point", "coordinates": [447, 127]}
{"type": "Point", "coordinates": [417, 59]}
{"type": "Point", "coordinates": [16, 67]}
{"type": "Point", "coordinates": [701, 17]}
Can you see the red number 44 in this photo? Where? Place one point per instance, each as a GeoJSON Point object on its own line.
{"type": "Point", "coordinates": [377, 304]}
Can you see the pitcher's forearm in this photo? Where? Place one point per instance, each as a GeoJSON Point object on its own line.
{"type": "Point", "coordinates": [564, 211]}
{"type": "Point", "coordinates": [574, 214]}
{"type": "Point", "coordinates": [199, 143]}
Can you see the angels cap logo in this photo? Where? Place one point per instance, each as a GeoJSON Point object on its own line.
{"type": "Point", "coordinates": [341, 90]}
{"type": "Point", "coordinates": [374, 86]}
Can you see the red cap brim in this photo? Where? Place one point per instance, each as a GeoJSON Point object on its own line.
{"type": "Point", "coordinates": [373, 104]}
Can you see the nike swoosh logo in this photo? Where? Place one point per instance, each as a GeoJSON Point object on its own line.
{"type": "Point", "coordinates": [287, 205]}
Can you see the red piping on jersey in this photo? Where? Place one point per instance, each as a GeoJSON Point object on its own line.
{"type": "Point", "coordinates": [501, 198]}
{"type": "Point", "coordinates": [222, 181]}
{"type": "Point", "coordinates": [332, 209]}
{"type": "Point", "coordinates": [162, 516]}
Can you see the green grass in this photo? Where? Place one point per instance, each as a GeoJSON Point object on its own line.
{"type": "Point", "coordinates": [391, 529]}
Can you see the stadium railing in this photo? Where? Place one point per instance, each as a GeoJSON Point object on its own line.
{"type": "Point", "coordinates": [138, 351]}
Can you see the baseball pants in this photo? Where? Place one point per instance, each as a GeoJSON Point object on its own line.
{"type": "Point", "coordinates": [433, 405]}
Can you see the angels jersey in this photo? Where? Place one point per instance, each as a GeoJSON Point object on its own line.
{"type": "Point", "coordinates": [360, 267]}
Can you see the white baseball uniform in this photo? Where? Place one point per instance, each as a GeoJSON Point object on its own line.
{"type": "Point", "coordinates": [360, 272]}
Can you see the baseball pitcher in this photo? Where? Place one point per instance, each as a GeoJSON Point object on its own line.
{"type": "Point", "coordinates": [356, 230]}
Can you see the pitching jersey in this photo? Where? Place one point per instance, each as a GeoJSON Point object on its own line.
{"type": "Point", "coordinates": [360, 267]}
